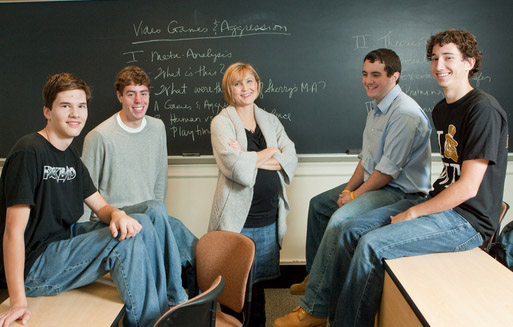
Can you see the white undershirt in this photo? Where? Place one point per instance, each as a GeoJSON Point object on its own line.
{"type": "Point", "coordinates": [129, 129]}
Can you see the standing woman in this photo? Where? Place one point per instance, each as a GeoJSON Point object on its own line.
{"type": "Point", "coordinates": [256, 159]}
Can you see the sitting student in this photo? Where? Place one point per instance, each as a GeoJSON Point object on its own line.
{"type": "Point", "coordinates": [395, 162]}
{"type": "Point", "coordinates": [462, 210]}
{"type": "Point", "coordinates": [126, 156]}
{"type": "Point", "coordinates": [394, 165]}
{"type": "Point", "coordinates": [44, 250]}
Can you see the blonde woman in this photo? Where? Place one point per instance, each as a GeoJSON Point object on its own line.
{"type": "Point", "coordinates": [256, 159]}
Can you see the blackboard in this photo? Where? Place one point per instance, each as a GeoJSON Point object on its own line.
{"type": "Point", "coordinates": [308, 54]}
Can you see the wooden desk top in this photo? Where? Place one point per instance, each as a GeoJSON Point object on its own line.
{"type": "Point", "coordinates": [91, 305]}
{"type": "Point", "coordinates": [456, 289]}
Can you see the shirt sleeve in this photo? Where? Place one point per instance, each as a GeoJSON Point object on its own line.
{"type": "Point", "coordinates": [483, 127]}
{"type": "Point", "coordinates": [93, 155]}
{"type": "Point", "coordinates": [238, 166]}
{"type": "Point", "coordinates": [20, 179]}
{"type": "Point", "coordinates": [287, 158]}
{"type": "Point", "coordinates": [160, 188]}
{"type": "Point", "coordinates": [398, 141]}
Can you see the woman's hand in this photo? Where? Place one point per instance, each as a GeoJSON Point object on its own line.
{"type": "Point", "coordinates": [234, 144]}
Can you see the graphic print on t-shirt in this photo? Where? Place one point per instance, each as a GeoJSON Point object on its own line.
{"type": "Point", "coordinates": [60, 174]}
{"type": "Point", "coordinates": [450, 151]}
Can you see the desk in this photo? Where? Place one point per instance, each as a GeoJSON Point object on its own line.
{"type": "Point", "coordinates": [467, 288]}
{"type": "Point", "coordinates": [94, 305]}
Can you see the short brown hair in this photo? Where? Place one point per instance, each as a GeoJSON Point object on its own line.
{"type": "Point", "coordinates": [129, 75]}
{"type": "Point", "coordinates": [387, 57]}
{"type": "Point", "coordinates": [466, 43]}
{"type": "Point", "coordinates": [230, 76]}
{"type": "Point", "coordinates": [63, 82]}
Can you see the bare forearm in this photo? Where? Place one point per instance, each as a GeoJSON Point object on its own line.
{"type": "Point", "coordinates": [271, 164]}
{"type": "Point", "coordinates": [356, 179]}
{"type": "Point", "coordinates": [265, 155]}
{"type": "Point", "coordinates": [375, 181]}
{"type": "Point", "coordinates": [448, 199]}
{"type": "Point", "coordinates": [14, 263]}
{"type": "Point", "coordinates": [356, 186]}
{"type": "Point", "coordinates": [465, 188]}
{"type": "Point", "coordinates": [105, 213]}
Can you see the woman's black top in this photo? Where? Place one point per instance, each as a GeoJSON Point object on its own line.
{"type": "Point", "coordinates": [264, 206]}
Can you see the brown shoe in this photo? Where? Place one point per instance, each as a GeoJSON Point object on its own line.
{"type": "Point", "coordinates": [299, 289]}
{"type": "Point", "coordinates": [299, 318]}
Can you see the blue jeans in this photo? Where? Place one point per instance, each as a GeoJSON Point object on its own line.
{"type": "Point", "coordinates": [369, 239]}
{"type": "Point", "coordinates": [175, 238]}
{"type": "Point", "coordinates": [317, 292]}
{"type": "Point", "coordinates": [136, 266]}
{"type": "Point", "coordinates": [267, 255]}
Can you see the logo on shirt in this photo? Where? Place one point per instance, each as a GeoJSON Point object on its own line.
{"type": "Point", "coordinates": [451, 144]}
{"type": "Point", "coordinates": [60, 174]}
{"type": "Point", "coordinates": [451, 171]}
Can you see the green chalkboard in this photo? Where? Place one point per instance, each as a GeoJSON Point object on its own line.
{"type": "Point", "coordinates": [308, 54]}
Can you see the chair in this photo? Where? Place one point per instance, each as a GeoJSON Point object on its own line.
{"type": "Point", "coordinates": [231, 255]}
{"type": "Point", "coordinates": [486, 244]}
{"type": "Point", "coordinates": [200, 311]}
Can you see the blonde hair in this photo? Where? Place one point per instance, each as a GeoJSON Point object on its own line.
{"type": "Point", "coordinates": [232, 74]}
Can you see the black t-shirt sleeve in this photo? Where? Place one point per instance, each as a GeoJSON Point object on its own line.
{"type": "Point", "coordinates": [20, 179]}
{"type": "Point", "coordinates": [88, 185]}
{"type": "Point", "coordinates": [483, 129]}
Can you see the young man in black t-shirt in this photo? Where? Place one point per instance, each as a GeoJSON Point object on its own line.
{"type": "Point", "coordinates": [44, 251]}
{"type": "Point", "coordinates": [462, 210]}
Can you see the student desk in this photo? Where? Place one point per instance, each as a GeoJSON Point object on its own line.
{"type": "Point", "coordinates": [94, 305]}
{"type": "Point", "coordinates": [467, 288]}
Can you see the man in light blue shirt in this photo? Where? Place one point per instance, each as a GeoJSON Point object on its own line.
{"type": "Point", "coordinates": [394, 165]}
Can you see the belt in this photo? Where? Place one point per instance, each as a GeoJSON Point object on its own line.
{"type": "Point", "coordinates": [421, 194]}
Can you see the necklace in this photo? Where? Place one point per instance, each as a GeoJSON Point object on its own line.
{"type": "Point", "coordinates": [46, 133]}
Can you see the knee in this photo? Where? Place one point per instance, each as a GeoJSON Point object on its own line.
{"type": "Point", "coordinates": [348, 234]}
{"type": "Point", "coordinates": [154, 206]}
{"type": "Point", "coordinates": [368, 245]}
{"type": "Point", "coordinates": [318, 203]}
{"type": "Point", "coordinates": [337, 219]}
{"type": "Point", "coordinates": [144, 220]}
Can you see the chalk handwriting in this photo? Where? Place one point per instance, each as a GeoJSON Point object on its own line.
{"type": "Point", "coordinates": [180, 131]}
{"type": "Point", "coordinates": [145, 30]}
{"type": "Point", "coordinates": [209, 54]}
{"type": "Point", "coordinates": [282, 116]}
{"type": "Point", "coordinates": [221, 28]}
{"type": "Point", "coordinates": [172, 28]}
{"type": "Point", "coordinates": [241, 30]}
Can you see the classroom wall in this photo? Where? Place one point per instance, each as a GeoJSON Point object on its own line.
{"type": "Point", "coordinates": [192, 185]}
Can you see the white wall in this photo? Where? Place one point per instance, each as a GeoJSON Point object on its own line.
{"type": "Point", "coordinates": [192, 185]}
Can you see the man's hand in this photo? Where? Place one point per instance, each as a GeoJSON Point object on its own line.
{"type": "Point", "coordinates": [344, 198]}
{"type": "Point", "coordinates": [123, 225]}
{"type": "Point", "coordinates": [15, 312]}
{"type": "Point", "coordinates": [403, 216]}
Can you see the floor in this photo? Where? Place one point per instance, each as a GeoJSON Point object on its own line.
{"type": "Point", "coordinates": [279, 302]}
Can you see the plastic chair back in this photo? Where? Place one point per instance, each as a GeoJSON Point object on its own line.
{"type": "Point", "coordinates": [231, 255]}
{"type": "Point", "coordinates": [200, 311]}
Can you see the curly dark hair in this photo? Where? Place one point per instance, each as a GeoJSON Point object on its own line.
{"type": "Point", "coordinates": [465, 41]}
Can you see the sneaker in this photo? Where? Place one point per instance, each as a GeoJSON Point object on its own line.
{"type": "Point", "coordinates": [299, 289]}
